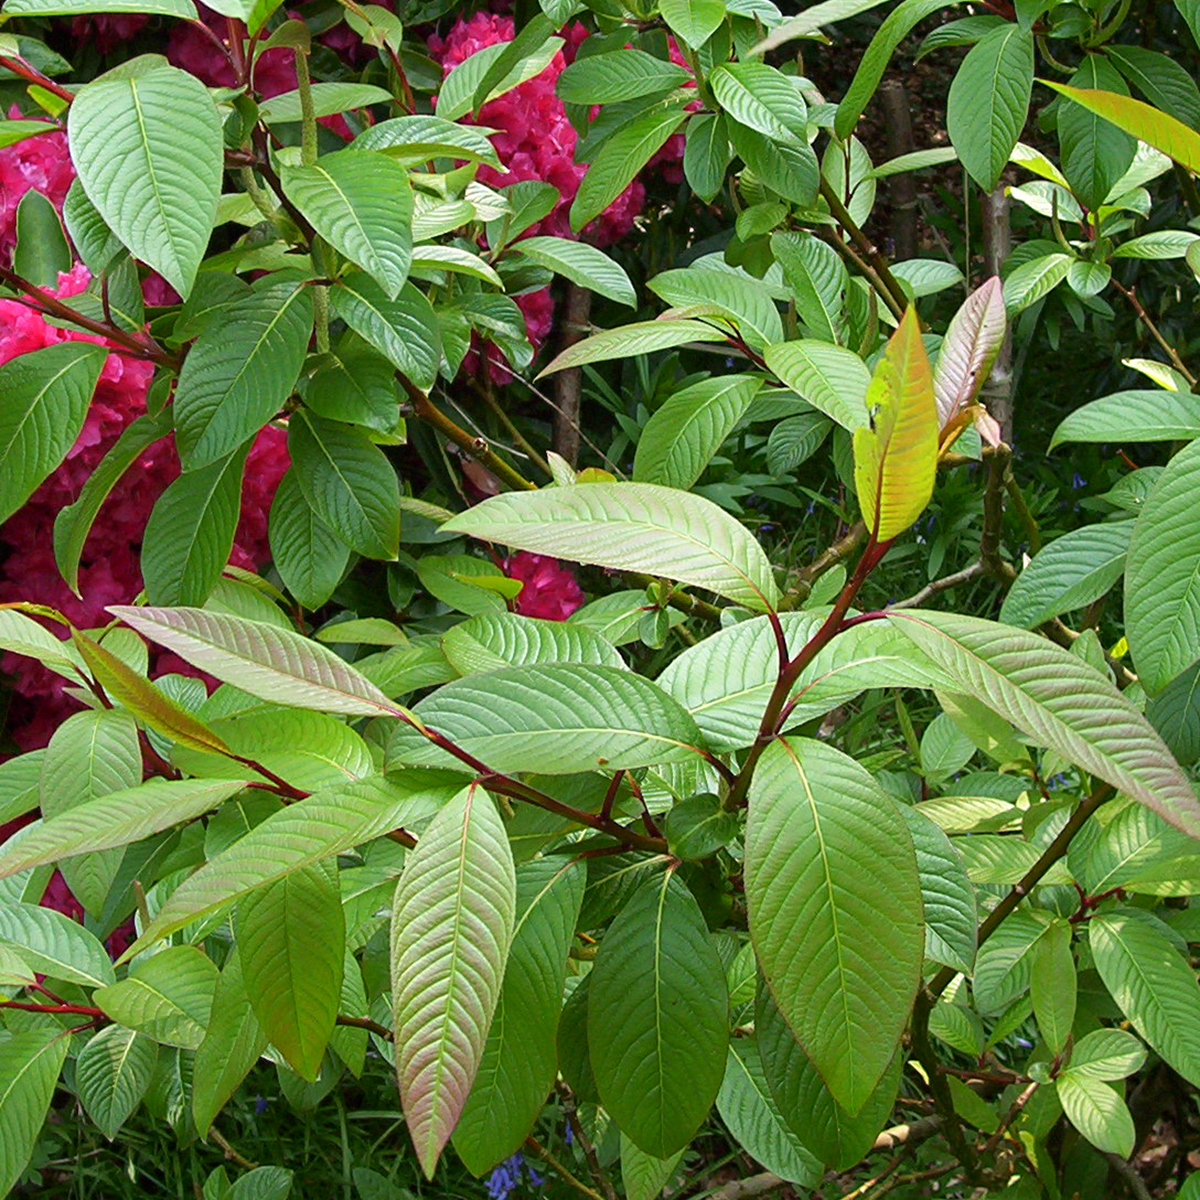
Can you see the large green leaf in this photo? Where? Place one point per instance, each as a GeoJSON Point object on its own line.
{"type": "Point", "coordinates": [44, 399]}
{"type": "Point", "coordinates": [682, 436]}
{"type": "Point", "coordinates": [752, 1114]}
{"type": "Point", "coordinates": [310, 558]}
{"type": "Point", "coordinates": [804, 1101]}
{"type": "Point", "coordinates": [1059, 701]}
{"type": "Point", "coordinates": [1121, 842]}
{"type": "Point", "coordinates": [634, 527]}
{"type": "Point", "coordinates": [557, 719]}
{"type": "Point", "coordinates": [74, 522]}
{"type": "Point", "coordinates": [1153, 984]}
{"type": "Point", "coordinates": [628, 341]}
{"type": "Point", "coordinates": [361, 203]}
{"type": "Point", "coordinates": [1162, 576]}
{"type": "Point", "coordinates": [743, 299]}
{"type": "Point", "coordinates": [693, 21]}
{"type": "Point", "coordinates": [947, 896]}
{"type": "Point", "coordinates": [22, 635]}
{"type": "Point", "coordinates": [29, 1067]}
{"type": "Point", "coordinates": [617, 75]}
{"type": "Point", "coordinates": [404, 329]}
{"type": "Point", "coordinates": [658, 1018]}
{"type": "Point", "coordinates": [458, 93]}
{"type": "Point", "coordinates": [240, 372]}
{"type": "Point", "coordinates": [520, 1057]}
{"type": "Point", "coordinates": [1098, 1111]}
{"type": "Point", "coordinates": [167, 997]}
{"type": "Point", "coordinates": [149, 153]}
{"type": "Point", "coordinates": [190, 533]}
{"type": "Point", "coordinates": [643, 1175]}
{"type": "Point", "coordinates": [1053, 985]}
{"type": "Point", "coordinates": [1095, 154]}
{"type": "Point", "coordinates": [1069, 573]}
{"type": "Point", "coordinates": [273, 664]}
{"type": "Point", "coordinates": [1005, 961]}
{"type": "Point", "coordinates": [822, 843]}
{"type": "Point", "coordinates": [54, 945]}
{"type": "Point", "coordinates": [1145, 122]}
{"type": "Point", "coordinates": [726, 680]}
{"type": "Point", "coordinates": [348, 482]}
{"type": "Point", "coordinates": [620, 158]}
{"type": "Point", "coordinates": [1154, 416]}
{"type": "Point", "coordinates": [452, 925]}
{"type": "Point", "coordinates": [762, 98]}
{"type": "Point", "coordinates": [989, 101]}
{"type": "Point", "coordinates": [579, 262]}
{"type": "Point", "coordinates": [785, 168]}
{"type": "Point", "coordinates": [321, 825]}
{"type": "Point", "coordinates": [827, 376]}
{"type": "Point", "coordinates": [329, 99]}
{"type": "Point", "coordinates": [494, 640]}
{"type": "Point", "coordinates": [232, 1045]}
{"type": "Point", "coordinates": [818, 280]}
{"type": "Point", "coordinates": [90, 755]}
{"type": "Point", "coordinates": [290, 938]}
{"type": "Point", "coordinates": [112, 1074]}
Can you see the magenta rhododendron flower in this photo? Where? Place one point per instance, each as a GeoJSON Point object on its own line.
{"type": "Point", "coordinates": [551, 590]}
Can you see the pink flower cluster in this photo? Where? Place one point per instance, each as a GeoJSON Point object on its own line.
{"type": "Point", "coordinates": [551, 590]}
{"type": "Point", "coordinates": [40, 163]}
{"type": "Point", "coordinates": [109, 571]}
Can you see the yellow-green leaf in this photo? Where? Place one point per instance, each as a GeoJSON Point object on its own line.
{"type": "Point", "coordinates": [895, 455]}
{"type": "Point", "coordinates": [1145, 122]}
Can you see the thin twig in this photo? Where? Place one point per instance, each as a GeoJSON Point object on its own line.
{"type": "Point", "coordinates": [585, 1143]}
{"type": "Point", "coordinates": [537, 1148]}
{"type": "Point", "coordinates": [941, 585]}
{"type": "Point", "coordinates": [1130, 294]}
{"type": "Point", "coordinates": [230, 1153]}
{"type": "Point", "coordinates": [893, 294]}
{"type": "Point", "coordinates": [381, 1031]}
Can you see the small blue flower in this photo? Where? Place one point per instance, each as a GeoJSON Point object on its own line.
{"type": "Point", "coordinates": [505, 1178]}
{"type": "Point", "coordinates": [569, 1135]}
{"type": "Point", "coordinates": [1078, 481]}
{"type": "Point", "coordinates": [534, 1177]}
{"type": "Point", "coordinates": [260, 1104]}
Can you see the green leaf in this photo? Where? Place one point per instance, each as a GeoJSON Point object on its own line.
{"type": "Point", "coordinates": [310, 558]}
{"type": "Point", "coordinates": [30, 1063]}
{"type": "Point", "coordinates": [318, 827]}
{"type": "Point", "coordinates": [1153, 985]}
{"type": "Point", "coordinates": [1098, 1111]}
{"type": "Point", "coordinates": [190, 533]}
{"type": "Point", "coordinates": [581, 263]}
{"type": "Point", "coordinates": [681, 437]}
{"type": "Point", "coordinates": [763, 99]}
{"type": "Point", "coordinates": [557, 719]}
{"type": "Point", "coordinates": [633, 527]}
{"type": "Point", "coordinates": [989, 101]}
{"type": "Point", "coordinates": [725, 681]}
{"type": "Point", "coordinates": [183, 9]}
{"type": "Point", "coordinates": [520, 1058]}
{"type": "Point", "coordinates": [240, 372]}
{"type": "Point", "coordinates": [693, 21]}
{"type": "Point", "coordinates": [232, 1045]}
{"type": "Point", "coordinates": [19, 778]}
{"type": "Point", "coordinates": [895, 456]}
{"type": "Point", "coordinates": [1157, 416]}
{"type": "Point", "coordinates": [620, 159]}
{"type": "Point", "coordinates": [54, 945]}
{"type": "Point", "coordinates": [90, 755]}
{"type": "Point", "coordinates": [1032, 281]}
{"type": "Point", "coordinates": [1060, 702]}
{"type": "Point", "coordinates": [1162, 591]}
{"type": "Point", "coordinates": [617, 75]}
{"type": "Point", "coordinates": [895, 28]}
{"type": "Point", "coordinates": [1053, 985]}
{"type": "Point", "coordinates": [1146, 123]}
{"type": "Point", "coordinates": [329, 99]}
{"type": "Point", "coordinates": [348, 483]}
{"type": "Point", "coordinates": [452, 926]}
{"type": "Point", "coordinates": [531, 38]}
{"type": "Point", "coordinates": [168, 997]}
{"type": "Point", "coordinates": [1068, 574]}
{"type": "Point", "coordinates": [787, 169]}
{"type": "Point", "coordinates": [973, 339]}
{"type": "Point", "coordinates": [273, 664]}
{"type": "Point", "coordinates": [44, 397]}
{"type": "Point", "coordinates": [643, 337]}
{"type": "Point", "coordinates": [1005, 961]}
{"type": "Point", "coordinates": [404, 330]}
{"type": "Point", "coordinates": [361, 203]}
{"type": "Point", "coordinates": [354, 384]}
{"type": "Point", "coordinates": [706, 154]}
{"type": "Point", "coordinates": [1158, 246]}
{"type": "Point", "coordinates": [1107, 1054]}
{"type": "Point", "coordinates": [699, 826]}
{"type": "Point", "coordinates": [41, 252]}
{"type": "Point", "coordinates": [830, 378]}
{"type": "Point", "coordinates": [947, 896]}
{"type": "Point", "coordinates": [821, 1123]}
{"type": "Point", "coordinates": [818, 280]}
{"type": "Point", "coordinates": [750, 1111]}
{"type": "Point", "coordinates": [747, 301]}
{"type": "Point", "coordinates": [148, 150]}
{"type": "Point", "coordinates": [1095, 154]}
{"type": "Point", "coordinates": [495, 640]}
{"type": "Point", "coordinates": [290, 938]}
{"type": "Point", "coordinates": [417, 138]}
{"type": "Point", "coordinates": [1164, 82]}
{"type": "Point", "coordinates": [642, 1175]}
{"type": "Point", "coordinates": [73, 524]}
{"type": "Point", "coordinates": [112, 1074]}
{"type": "Point", "coordinates": [658, 1018]}
{"type": "Point", "coordinates": [795, 440]}
{"type": "Point", "coordinates": [458, 95]}
{"type": "Point", "coordinates": [822, 842]}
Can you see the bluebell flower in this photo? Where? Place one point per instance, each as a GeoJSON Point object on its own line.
{"type": "Point", "coordinates": [260, 1104]}
{"type": "Point", "coordinates": [1078, 481]}
{"type": "Point", "coordinates": [568, 1136]}
{"type": "Point", "coordinates": [505, 1177]}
